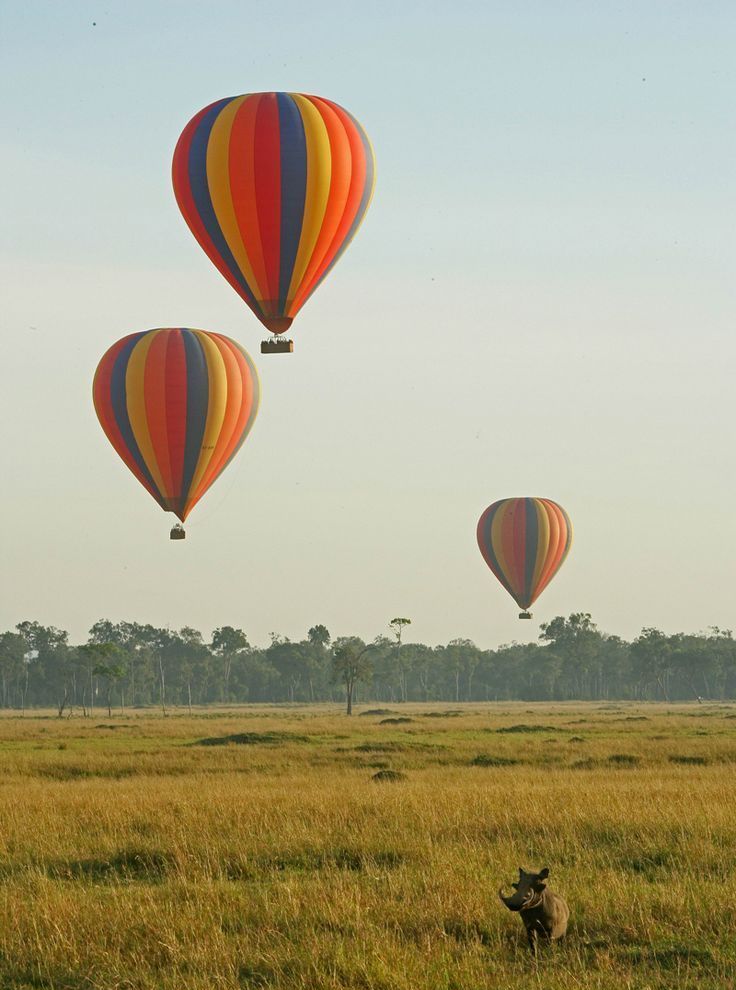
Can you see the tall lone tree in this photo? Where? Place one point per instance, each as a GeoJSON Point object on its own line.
{"type": "Point", "coordinates": [318, 639]}
{"type": "Point", "coordinates": [351, 662]}
{"type": "Point", "coordinates": [397, 626]}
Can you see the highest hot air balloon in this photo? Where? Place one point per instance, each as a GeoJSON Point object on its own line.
{"type": "Point", "coordinates": [524, 541]}
{"type": "Point", "coordinates": [176, 404]}
{"type": "Point", "coordinates": [273, 186]}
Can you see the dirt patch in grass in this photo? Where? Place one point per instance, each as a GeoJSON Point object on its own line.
{"type": "Point", "coordinates": [73, 771]}
{"type": "Point", "coordinates": [252, 739]}
{"type": "Point", "coordinates": [651, 864]}
{"type": "Point", "coordinates": [489, 760]}
{"type": "Point", "coordinates": [312, 860]}
{"type": "Point", "coordinates": [529, 728]}
{"type": "Point", "coordinates": [671, 955]}
{"type": "Point", "coordinates": [402, 720]}
{"type": "Point", "coordinates": [692, 761]}
{"type": "Point", "coordinates": [123, 866]}
{"type": "Point", "coordinates": [395, 747]}
{"type": "Point", "coordinates": [381, 747]}
{"type": "Point", "coordinates": [377, 711]}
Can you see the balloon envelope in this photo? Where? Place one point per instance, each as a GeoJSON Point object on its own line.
{"type": "Point", "coordinates": [176, 404]}
{"type": "Point", "coordinates": [273, 186]}
{"type": "Point", "coordinates": [524, 541]}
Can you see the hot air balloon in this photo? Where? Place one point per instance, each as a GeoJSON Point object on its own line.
{"type": "Point", "coordinates": [273, 186]}
{"type": "Point", "coordinates": [524, 541]}
{"type": "Point", "coordinates": [176, 405]}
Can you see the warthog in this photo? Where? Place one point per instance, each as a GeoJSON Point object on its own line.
{"type": "Point", "coordinates": [544, 914]}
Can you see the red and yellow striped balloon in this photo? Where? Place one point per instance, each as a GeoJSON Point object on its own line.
{"type": "Point", "coordinates": [176, 405]}
{"type": "Point", "coordinates": [524, 541]}
{"type": "Point", "coordinates": [273, 186]}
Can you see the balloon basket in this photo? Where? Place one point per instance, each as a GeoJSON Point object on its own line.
{"type": "Point", "coordinates": [178, 533]}
{"type": "Point", "coordinates": [277, 346]}
{"type": "Point", "coordinates": [525, 615]}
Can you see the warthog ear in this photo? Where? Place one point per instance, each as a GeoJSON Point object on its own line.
{"type": "Point", "coordinates": [543, 874]}
{"type": "Point", "coordinates": [521, 872]}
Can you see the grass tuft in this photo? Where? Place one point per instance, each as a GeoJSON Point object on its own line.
{"type": "Point", "coordinates": [624, 759]}
{"type": "Point", "coordinates": [489, 760]}
{"type": "Point", "coordinates": [384, 776]}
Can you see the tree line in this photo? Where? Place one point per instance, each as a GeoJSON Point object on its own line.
{"type": "Point", "coordinates": [129, 664]}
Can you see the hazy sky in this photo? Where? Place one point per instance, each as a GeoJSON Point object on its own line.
{"type": "Point", "coordinates": [540, 302]}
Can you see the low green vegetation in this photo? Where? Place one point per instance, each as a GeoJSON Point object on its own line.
{"type": "Point", "coordinates": [294, 847]}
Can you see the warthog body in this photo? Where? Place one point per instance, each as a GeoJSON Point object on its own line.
{"type": "Point", "coordinates": [544, 914]}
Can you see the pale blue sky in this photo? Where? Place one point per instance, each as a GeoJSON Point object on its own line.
{"type": "Point", "coordinates": [540, 302]}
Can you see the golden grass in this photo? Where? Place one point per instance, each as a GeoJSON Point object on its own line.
{"type": "Point", "coordinates": [136, 857]}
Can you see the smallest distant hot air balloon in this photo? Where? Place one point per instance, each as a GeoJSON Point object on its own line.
{"type": "Point", "coordinates": [524, 541]}
{"type": "Point", "coordinates": [176, 404]}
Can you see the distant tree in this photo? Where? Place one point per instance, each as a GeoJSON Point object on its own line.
{"type": "Point", "coordinates": [397, 626]}
{"type": "Point", "coordinates": [319, 636]}
{"type": "Point", "coordinates": [230, 646]}
{"type": "Point", "coordinates": [721, 653]}
{"type": "Point", "coordinates": [111, 674]}
{"type": "Point", "coordinates": [318, 640]}
{"type": "Point", "coordinates": [463, 656]}
{"type": "Point", "coordinates": [12, 650]}
{"type": "Point", "coordinates": [351, 663]}
{"type": "Point", "coordinates": [141, 644]}
{"type": "Point", "coordinates": [99, 659]}
{"type": "Point", "coordinates": [576, 641]}
{"type": "Point", "coordinates": [46, 663]}
{"type": "Point", "coordinates": [651, 653]}
{"type": "Point", "coordinates": [105, 631]}
{"type": "Point", "coordinates": [420, 660]}
{"type": "Point", "coordinates": [191, 663]}
{"type": "Point", "coordinates": [289, 660]}
{"type": "Point", "coordinates": [166, 650]}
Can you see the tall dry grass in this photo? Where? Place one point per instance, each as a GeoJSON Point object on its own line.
{"type": "Point", "coordinates": [142, 852]}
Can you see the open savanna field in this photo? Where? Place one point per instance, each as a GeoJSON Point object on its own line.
{"type": "Point", "coordinates": [253, 848]}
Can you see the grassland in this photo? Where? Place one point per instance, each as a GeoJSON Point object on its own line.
{"type": "Point", "coordinates": [254, 849]}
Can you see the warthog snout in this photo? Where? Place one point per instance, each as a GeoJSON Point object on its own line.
{"type": "Point", "coordinates": [544, 914]}
{"type": "Point", "coordinates": [528, 890]}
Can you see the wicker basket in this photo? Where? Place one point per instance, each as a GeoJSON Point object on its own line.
{"type": "Point", "coordinates": [277, 346]}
